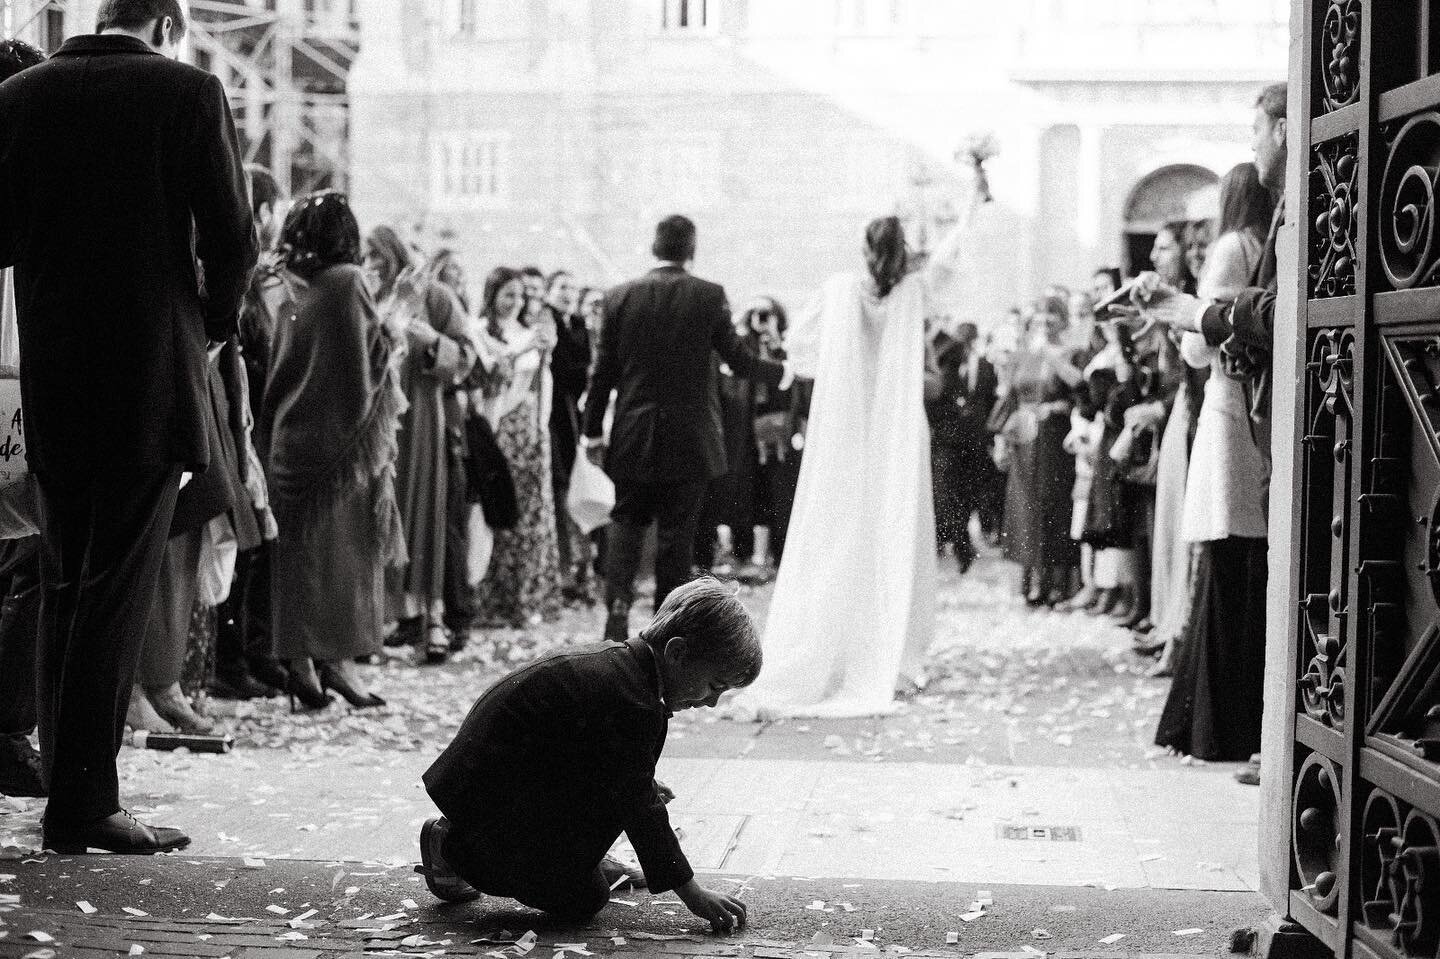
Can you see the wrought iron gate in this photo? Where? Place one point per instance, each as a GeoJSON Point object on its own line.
{"type": "Point", "coordinates": [1365, 815]}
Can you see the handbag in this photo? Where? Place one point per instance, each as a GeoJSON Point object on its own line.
{"type": "Point", "coordinates": [1137, 451]}
{"type": "Point", "coordinates": [591, 496]}
{"type": "Point", "coordinates": [1022, 426]}
{"type": "Point", "coordinates": [18, 515]}
{"type": "Point", "coordinates": [488, 478]}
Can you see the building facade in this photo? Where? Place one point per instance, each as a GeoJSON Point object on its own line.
{"type": "Point", "coordinates": [558, 131]}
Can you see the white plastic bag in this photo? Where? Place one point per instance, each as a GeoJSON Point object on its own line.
{"type": "Point", "coordinates": [218, 551]}
{"type": "Point", "coordinates": [592, 495]}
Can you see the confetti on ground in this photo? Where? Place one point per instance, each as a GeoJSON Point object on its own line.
{"type": "Point", "coordinates": [1113, 938]}
{"type": "Point", "coordinates": [1188, 932]}
{"type": "Point", "coordinates": [86, 908]}
{"type": "Point", "coordinates": [137, 913]}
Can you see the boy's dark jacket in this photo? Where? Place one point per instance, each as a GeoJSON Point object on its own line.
{"type": "Point", "coordinates": [558, 758]}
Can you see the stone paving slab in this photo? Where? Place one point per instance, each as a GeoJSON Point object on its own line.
{"type": "Point", "coordinates": [1188, 828]}
{"type": "Point", "coordinates": [356, 902]}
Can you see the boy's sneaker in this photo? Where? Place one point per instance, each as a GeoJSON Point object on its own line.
{"type": "Point", "coordinates": [442, 881]}
{"type": "Point", "coordinates": [19, 768]}
{"type": "Point", "coordinates": [620, 876]}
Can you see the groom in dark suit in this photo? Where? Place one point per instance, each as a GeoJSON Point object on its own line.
{"type": "Point", "coordinates": [123, 209]}
{"type": "Point", "coordinates": [656, 344]}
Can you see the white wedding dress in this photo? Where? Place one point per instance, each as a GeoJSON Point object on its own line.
{"type": "Point", "coordinates": [853, 610]}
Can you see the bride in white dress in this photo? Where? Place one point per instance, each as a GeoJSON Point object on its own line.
{"type": "Point", "coordinates": [853, 610]}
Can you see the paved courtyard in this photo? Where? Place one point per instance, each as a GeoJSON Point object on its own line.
{"type": "Point", "coordinates": [1026, 767]}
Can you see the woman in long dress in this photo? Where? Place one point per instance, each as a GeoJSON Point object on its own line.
{"type": "Point", "coordinates": [1214, 706]}
{"type": "Point", "coordinates": [438, 355]}
{"type": "Point", "coordinates": [853, 611]}
{"type": "Point", "coordinates": [523, 585]}
{"type": "Point", "coordinates": [1041, 480]}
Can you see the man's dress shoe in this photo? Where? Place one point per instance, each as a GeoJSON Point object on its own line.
{"type": "Point", "coordinates": [119, 832]}
{"type": "Point", "coordinates": [444, 883]}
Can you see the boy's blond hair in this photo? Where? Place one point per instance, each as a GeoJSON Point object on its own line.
{"type": "Point", "coordinates": [717, 629]}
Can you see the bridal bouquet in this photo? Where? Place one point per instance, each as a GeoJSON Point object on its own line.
{"type": "Point", "coordinates": [976, 150]}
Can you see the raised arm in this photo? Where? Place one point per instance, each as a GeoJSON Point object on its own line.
{"type": "Point", "coordinates": [944, 258]}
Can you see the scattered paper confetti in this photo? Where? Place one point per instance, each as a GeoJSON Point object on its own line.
{"type": "Point", "coordinates": [1188, 932]}
{"type": "Point", "coordinates": [1113, 938]}
{"type": "Point", "coordinates": [278, 910]}
{"type": "Point", "coordinates": [86, 908]}
{"type": "Point", "coordinates": [138, 913]}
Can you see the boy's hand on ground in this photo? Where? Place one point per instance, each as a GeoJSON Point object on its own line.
{"type": "Point", "coordinates": [724, 913]}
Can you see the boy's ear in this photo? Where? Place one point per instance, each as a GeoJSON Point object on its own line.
{"type": "Point", "coordinates": [674, 650]}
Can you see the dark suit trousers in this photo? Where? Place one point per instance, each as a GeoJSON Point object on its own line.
{"type": "Point", "coordinates": [675, 509]}
{"type": "Point", "coordinates": [459, 602]}
{"type": "Point", "coordinates": [101, 548]}
{"type": "Point", "coordinates": [19, 620]}
{"type": "Point", "coordinates": [242, 632]}
{"type": "Point", "coordinates": [529, 878]}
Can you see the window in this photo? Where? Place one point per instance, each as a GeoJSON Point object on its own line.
{"type": "Point", "coordinates": [681, 171]}
{"type": "Point", "coordinates": [685, 14]}
{"type": "Point", "coordinates": [870, 16]}
{"type": "Point", "coordinates": [471, 168]}
{"type": "Point", "coordinates": [52, 30]}
{"type": "Point", "coordinates": [483, 20]}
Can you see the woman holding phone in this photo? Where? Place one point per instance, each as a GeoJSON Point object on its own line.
{"type": "Point", "coordinates": [438, 354]}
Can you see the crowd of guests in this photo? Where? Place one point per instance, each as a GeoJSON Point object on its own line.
{"type": "Point", "coordinates": [1116, 462]}
{"type": "Point", "coordinates": [393, 457]}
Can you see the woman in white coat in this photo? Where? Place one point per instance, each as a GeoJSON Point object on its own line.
{"type": "Point", "coordinates": [1214, 707]}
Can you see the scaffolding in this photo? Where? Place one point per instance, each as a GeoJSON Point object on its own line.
{"type": "Point", "coordinates": [285, 64]}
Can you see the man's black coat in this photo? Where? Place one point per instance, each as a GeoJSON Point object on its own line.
{"type": "Point", "coordinates": [656, 343]}
{"type": "Point", "coordinates": [119, 168]}
{"type": "Point", "coordinates": [557, 759]}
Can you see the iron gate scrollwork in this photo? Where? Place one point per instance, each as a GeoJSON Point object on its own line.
{"type": "Point", "coordinates": [1365, 774]}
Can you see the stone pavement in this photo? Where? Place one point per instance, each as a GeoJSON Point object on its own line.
{"type": "Point", "coordinates": [1026, 769]}
{"type": "Point", "coordinates": [188, 906]}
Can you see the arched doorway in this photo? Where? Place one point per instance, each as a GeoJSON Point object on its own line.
{"type": "Point", "coordinates": [1176, 192]}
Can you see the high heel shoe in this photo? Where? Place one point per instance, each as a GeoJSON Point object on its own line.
{"type": "Point", "coordinates": [331, 678]}
{"type": "Point", "coordinates": [437, 645]}
{"type": "Point", "coordinates": [311, 697]}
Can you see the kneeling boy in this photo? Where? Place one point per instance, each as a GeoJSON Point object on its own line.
{"type": "Point", "coordinates": [558, 758]}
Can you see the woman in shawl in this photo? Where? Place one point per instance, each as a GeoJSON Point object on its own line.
{"type": "Point", "coordinates": [438, 357]}
{"type": "Point", "coordinates": [328, 424]}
